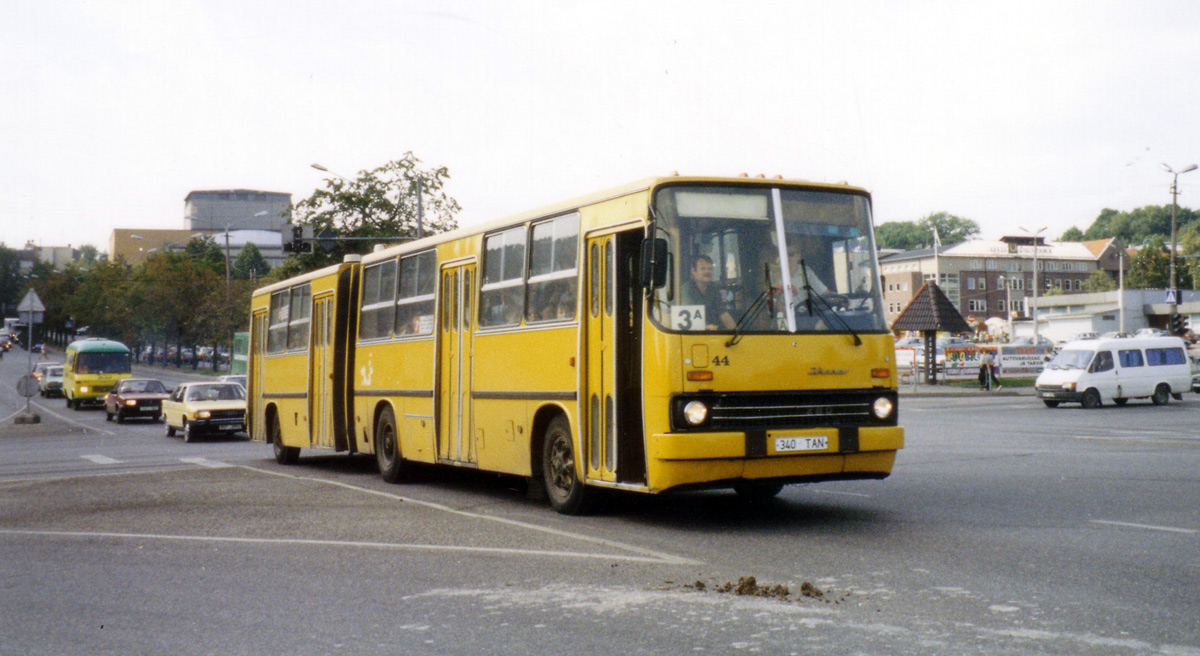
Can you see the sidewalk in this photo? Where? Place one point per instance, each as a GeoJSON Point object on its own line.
{"type": "Point", "coordinates": [922, 389]}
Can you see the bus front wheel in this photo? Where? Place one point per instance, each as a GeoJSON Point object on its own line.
{"type": "Point", "coordinates": [392, 467]}
{"type": "Point", "coordinates": [567, 493]}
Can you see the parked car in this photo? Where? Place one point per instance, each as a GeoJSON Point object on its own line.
{"type": "Point", "coordinates": [1196, 382]}
{"type": "Point", "coordinates": [50, 384]}
{"type": "Point", "coordinates": [198, 408]}
{"type": "Point", "coordinates": [135, 397]}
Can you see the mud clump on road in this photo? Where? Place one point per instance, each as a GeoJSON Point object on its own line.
{"type": "Point", "coordinates": [748, 586]}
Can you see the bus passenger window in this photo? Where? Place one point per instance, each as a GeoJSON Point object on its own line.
{"type": "Point", "coordinates": [502, 295]}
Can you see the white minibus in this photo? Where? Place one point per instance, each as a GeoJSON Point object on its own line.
{"type": "Point", "coordinates": [1094, 371]}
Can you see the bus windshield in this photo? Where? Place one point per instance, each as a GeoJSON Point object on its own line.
{"type": "Point", "coordinates": [763, 260]}
{"type": "Point", "coordinates": [102, 363]}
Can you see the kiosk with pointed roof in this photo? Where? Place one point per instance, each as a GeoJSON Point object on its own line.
{"type": "Point", "coordinates": [930, 312]}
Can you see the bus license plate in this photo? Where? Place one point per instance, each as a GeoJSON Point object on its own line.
{"type": "Point", "coordinates": [811, 443]}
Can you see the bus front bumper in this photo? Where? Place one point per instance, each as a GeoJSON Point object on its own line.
{"type": "Point", "coordinates": [790, 455]}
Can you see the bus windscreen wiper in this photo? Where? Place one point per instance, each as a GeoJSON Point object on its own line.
{"type": "Point", "coordinates": [765, 299]}
{"type": "Point", "coordinates": [809, 294]}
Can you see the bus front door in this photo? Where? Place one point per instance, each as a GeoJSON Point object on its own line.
{"type": "Point", "coordinates": [455, 349]}
{"type": "Point", "coordinates": [611, 407]}
{"type": "Point", "coordinates": [320, 371]}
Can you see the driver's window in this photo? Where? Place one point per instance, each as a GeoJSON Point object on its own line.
{"type": "Point", "coordinates": [1102, 362]}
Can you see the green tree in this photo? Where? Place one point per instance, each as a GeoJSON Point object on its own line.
{"type": "Point", "coordinates": [1072, 234]}
{"type": "Point", "coordinates": [205, 251]}
{"type": "Point", "coordinates": [902, 235]}
{"type": "Point", "coordinates": [12, 283]}
{"type": "Point", "coordinates": [1140, 225]}
{"type": "Point", "coordinates": [911, 235]}
{"type": "Point", "coordinates": [1099, 281]}
{"type": "Point", "coordinates": [101, 300]}
{"type": "Point", "coordinates": [1150, 267]}
{"type": "Point", "coordinates": [250, 263]}
{"type": "Point", "coordinates": [950, 229]}
{"type": "Point", "coordinates": [380, 203]}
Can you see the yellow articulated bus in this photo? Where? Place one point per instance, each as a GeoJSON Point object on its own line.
{"type": "Point", "coordinates": [677, 333]}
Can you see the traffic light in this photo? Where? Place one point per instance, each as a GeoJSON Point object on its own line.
{"type": "Point", "coordinates": [1179, 324]}
{"type": "Point", "coordinates": [297, 238]}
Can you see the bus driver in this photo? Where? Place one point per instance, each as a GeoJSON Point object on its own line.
{"type": "Point", "coordinates": [700, 290]}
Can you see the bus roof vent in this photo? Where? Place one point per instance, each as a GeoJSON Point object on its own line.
{"type": "Point", "coordinates": [351, 258]}
{"type": "Point", "coordinates": [378, 247]}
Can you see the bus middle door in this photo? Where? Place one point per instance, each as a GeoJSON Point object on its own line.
{"type": "Point", "coordinates": [455, 350]}
{"type": "Point", "coordinates": [320, 391]}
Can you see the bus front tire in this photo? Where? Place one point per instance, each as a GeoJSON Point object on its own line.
{"type": "Point", "coordinates": [568, 495]}
{"type": "Point", "coordinates": [284, 455]}
{"type": "Point", "coordinates": [392, 467]}
{"type": "Point", "coordinates": [1091, 399]}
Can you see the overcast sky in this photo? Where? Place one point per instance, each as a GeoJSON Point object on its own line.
{"type": "Point", "coordinates": [1008, 113]}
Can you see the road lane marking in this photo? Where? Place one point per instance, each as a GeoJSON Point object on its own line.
{"type": "Point", "coordinates": [101, 460]}
{"type": "Point", "coordinates": [340, 543]}
{"type": "Point", "coordinates": [650, 554]}
{"type": "Point", "coordinates": [843, 494]}
{"type": "Point", "coordinates": [1148, 527]}
{"type": "Point", "coordinates": [205, 462]}
{"type": "Point", "coordinates": [72, 421]}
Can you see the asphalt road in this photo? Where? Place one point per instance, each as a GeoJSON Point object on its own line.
{"type": "Point", "coordinates": [1006, 528]}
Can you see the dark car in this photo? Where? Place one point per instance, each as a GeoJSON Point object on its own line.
{"type": "Point", "coordinates": [135, 397]}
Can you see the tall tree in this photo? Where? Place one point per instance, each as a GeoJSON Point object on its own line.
{"type": "Point", "coordinates": [250, 263]}
{"type": "Point", "coordinates": [1099, 281]}
{"type": "Point", "coordinates": [950, 229]}
{"type": "Point", "coordinates": [1150, 267]}
{"type": "Point", "coordinates": [379, 203]}
{"type": "Point", "coordinates": [1072, 234]}
{"type": "Point", "coordinates": [12, 284]}
{"type": "Point", "coordinates": [911, 235]}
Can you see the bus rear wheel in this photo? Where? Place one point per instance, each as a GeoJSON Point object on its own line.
{"type": "Point", "coordinates": [1162, 395]}
{"type": "Point", "coordinates": [568, 495]}
{"type": "Point", "coordinates": [392, 467]}
{"type": "Point", "coordinates": [284, 455]}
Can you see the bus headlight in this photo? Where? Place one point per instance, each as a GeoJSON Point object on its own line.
{"type": "Point", "coordinates": [695, 412]}
{"type": "Point", "coordinates": [882, 407]}
{"type": "Point", "coordinates": [83, 389]}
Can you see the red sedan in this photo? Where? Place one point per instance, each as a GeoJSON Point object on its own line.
{"type": "Point", "coordinates": [135, 397]}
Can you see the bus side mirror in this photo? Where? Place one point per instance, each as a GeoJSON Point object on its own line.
{"type": "Point", "coordinates": [654, 263]}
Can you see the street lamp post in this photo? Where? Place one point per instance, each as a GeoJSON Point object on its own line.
{"type": "Point", "coordinates": [1036, 234]}
{"type": "Point", "coordinates": [1174, 246]}
{"type": "Point", "coordinates": [1007, 305]}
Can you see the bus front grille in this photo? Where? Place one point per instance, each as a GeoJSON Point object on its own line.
{"type": "Point", "coordinates": [774, 410]}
